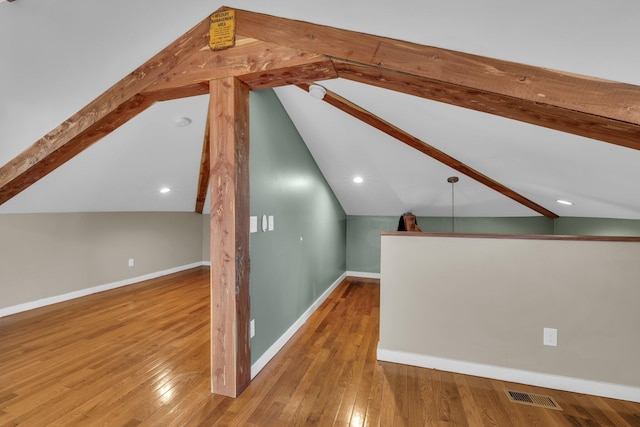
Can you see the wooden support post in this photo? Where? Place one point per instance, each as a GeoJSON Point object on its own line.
{"type": "Point", "coordinates": [229, 183]}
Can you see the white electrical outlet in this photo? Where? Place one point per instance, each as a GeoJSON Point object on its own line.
{"type": "Point", "coordinates": [252, 328]}
{"type": "Point", "coordinates": [131, 262]}
{"type": "Point", "coordinates": [550, 337]}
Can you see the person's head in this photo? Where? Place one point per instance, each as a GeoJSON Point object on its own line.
{"type": "Point", "coordinates": [410, 221]}
{"type": "Point", "coordinates": [407, 222]}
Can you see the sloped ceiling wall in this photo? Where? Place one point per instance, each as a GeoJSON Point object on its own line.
{"type": "Point", "coordinates": [60, 54]}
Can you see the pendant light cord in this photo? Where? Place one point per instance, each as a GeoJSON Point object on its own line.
{"type": "Point", "coordinates": [452, 180]}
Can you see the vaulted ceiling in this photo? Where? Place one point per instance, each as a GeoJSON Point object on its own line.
{"type": "Point", "coordinates": [484, 104]}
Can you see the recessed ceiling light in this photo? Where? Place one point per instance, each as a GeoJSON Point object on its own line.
{"type": "Point", "coordinates": [358, 180]}
{"type": "Point", "coordinates": [183, 122]}
{"type": "Point", "coordinates": [564, 202]}
{"type": "Point", "coordinates": [165, 190]}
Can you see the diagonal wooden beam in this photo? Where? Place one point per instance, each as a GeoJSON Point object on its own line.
{"type": "Point", "coordinates": [565, 98]}
{"type": "Point", "coordinates": [115, 106]}
{"type": "Point", "coordinates": [45, 155]}
{"type": "Point", "coordinates": [203, 177]}
{"type": "Point", "coordinates": [574, 122]}
{"type": "Point", "coordinates": [371, 119]}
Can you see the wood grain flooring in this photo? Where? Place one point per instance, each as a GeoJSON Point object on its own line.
{"type": "Point", "coordinates": [139, 355]}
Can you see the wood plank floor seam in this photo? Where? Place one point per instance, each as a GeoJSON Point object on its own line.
{"type": "Point", "coordinates": [139, 356]}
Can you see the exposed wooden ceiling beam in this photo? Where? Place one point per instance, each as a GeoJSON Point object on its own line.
{"type": "Point", "coordinates": [273, 51]}
{"type": "Point", "coordinates": [205, 168]}
{"type": "Point", "coordinates": [570, 121]}
{"type": "Point", "coordinates": [111, 109]}
{"type": "Point", "coordinates": [49, 153]}
{"type": "Point", "coordinates": [571, 103]}
{"type": "Point", "coordinates": [253, 61]}
{"type": "Point", "coordinates": [168, 94]}
{"type": "Point", "coordinates": [322, 69]}
{"type": "Point", "coordinates": [397, 133]}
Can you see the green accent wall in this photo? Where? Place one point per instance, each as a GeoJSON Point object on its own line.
{"type": "Point", "coordinates": [596, 226]}
{"type": "Point", "coordinates": [294, 264]}
{"type": "Point", "coordinates": [363, 232]}
{"type": "Point", "coordinates": [489, 225]}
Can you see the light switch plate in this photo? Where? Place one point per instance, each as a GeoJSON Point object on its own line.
{"type": "Point", "coordinates": [253, 224]}
{"type": "Point", "coordinates": [271, 223]}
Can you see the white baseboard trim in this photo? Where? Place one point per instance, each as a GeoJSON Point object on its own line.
{"type": "Point", "coordinates": [576, 385]}
{"type": "Point", "coordinates": [6, 311]}
{"type": "Point", "coordinates": [276, 346]}
{"type": "Point", "coordinates": [363, 274]}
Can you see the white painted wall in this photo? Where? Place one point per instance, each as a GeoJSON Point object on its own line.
{"type": "Point", "coordinates": [479, 306]}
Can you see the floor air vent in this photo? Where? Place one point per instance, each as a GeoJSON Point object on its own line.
{"type": "Point", "coordinates": [538, 400]}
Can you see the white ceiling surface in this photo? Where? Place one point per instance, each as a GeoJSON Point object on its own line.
{"type": "Point", "coordinates": [59, 55]}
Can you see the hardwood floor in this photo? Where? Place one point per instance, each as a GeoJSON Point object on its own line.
{"type": "Point", "coordinates": [139, 355]}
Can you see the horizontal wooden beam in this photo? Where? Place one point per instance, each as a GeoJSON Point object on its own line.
{"type": "Point", "coordinates": [111, 109]}
{"type": "Point", "coordinates": [410, 140]}
{"type": "Point", "coordinates": [187, 91]}
{"type": "Point", "coordinates": [577, 102]}
{"type": "Point", "coordinates": [322, 69]}
{"type": "Point", "coordinates": [249, 59]}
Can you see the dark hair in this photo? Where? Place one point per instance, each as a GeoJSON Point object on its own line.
{"type": "Point", "coordinates": [401, 226]}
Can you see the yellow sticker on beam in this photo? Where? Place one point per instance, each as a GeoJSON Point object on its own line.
{"type": "Point", "coordinates": [222, 31]}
